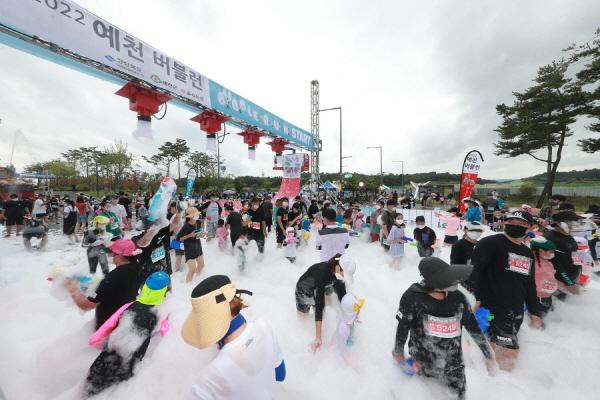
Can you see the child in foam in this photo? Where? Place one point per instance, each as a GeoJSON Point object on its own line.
{"type": "Point", "coordinates": [545, 282]}
{"type": "Point", "coordinates": [396, 240]}
{"type": "Point", "coordinates": [126, 335]}
{"type": "Point", "coordinates": [290, 243]}
{"type": "Point", "coordinates": [433, 312]}
{"type": "Point", "coordinates": [343, 337]}
{"type": "Point", "coordinates": [222, 235]}
{"type": "Point", "coordinates": [452, 221]}
{"type": "Point", "coordinates": [97, 241]}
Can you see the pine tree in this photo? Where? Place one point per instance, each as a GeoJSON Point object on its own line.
{"type": "Point", "coordinates": [539, 120]}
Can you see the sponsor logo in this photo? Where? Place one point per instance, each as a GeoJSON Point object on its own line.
{"type": "Point", "coordinates": [109, 58]}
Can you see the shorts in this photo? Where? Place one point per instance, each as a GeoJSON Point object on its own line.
{"type": "Point", "coordinates": [450, 239]}
{"type": "Point", "coordinates": [29, 236]}
{"type": "Point", "coordinates": [504, 329]}
{"type": "Point", "coordinates": [82, 218]}
{"type": "Point", "coordinates": [305, 298]}
{"type": "Point", "coordinates": [374, 237]}
{"type": "Point", "coordinates": [192, 251]}
{"type": "Point", "coordinates": [41, 215]}
{"type": "Point", "coordinates": [179, 252]}
{"type": "Point", "coordinates": [14, 220]}
{"type": "Point", "coordinates": [280, 235]}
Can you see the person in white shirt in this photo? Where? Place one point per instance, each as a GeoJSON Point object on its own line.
{"type": "Point", "coordinates": [39, 208]}
{"type": "Point", "coordinates": [331, 240]}
{"type": "Point", "coordinates": [249, 356]}
{"type": "Point", "coordinates": [119, 209]}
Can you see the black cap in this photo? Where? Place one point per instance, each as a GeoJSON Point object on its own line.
{"type": "Point", "coordinates": [438, 274]}
{"type": "Point", "coordinates": [391, 202]}
{"type": "Point", "coordinates": [420, 218]}
{"type": "Point", "coordinates": [566, 206]}
{"type": "Point", "coordinates": [565, 216]}
{"type": "Point", "coordinates": [522, 215]}
{"type": "Point", "coordinates": [454, 210]}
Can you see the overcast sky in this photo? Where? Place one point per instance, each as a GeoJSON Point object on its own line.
{"type": "Point", "coordinates": [421, 78]}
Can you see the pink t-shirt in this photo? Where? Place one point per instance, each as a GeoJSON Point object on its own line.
{"type": "Point", "coordinates": [452, 223]}
{"type": "Point", "coordinates": [545, 282]}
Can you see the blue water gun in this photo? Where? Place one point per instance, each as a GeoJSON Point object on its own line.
{"type": "Point", "coordinates": [409, 368]}
{"type": "Point", "coordinates": [483, 317]}
{"type": "Point", "coordinates": [407, 239]}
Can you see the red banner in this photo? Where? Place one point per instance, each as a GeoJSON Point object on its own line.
{"type": "Point", "coordinates": [468, 179]}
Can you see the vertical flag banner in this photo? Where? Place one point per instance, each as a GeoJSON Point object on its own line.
{"type": "Point", "coordinates": [292, 168]}
{"type": "Point", "coordinates": [468, 178]}
{"type": "Point", "coordinates": [191, 180]}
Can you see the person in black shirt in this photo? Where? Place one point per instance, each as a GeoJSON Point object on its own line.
{"type": "Point", "coordinates": [504, 281]}
{"type": "Point", "coordinates": [258, 228]}
{"type": "Point", "coordinates": [462, 250]}
{"type": "Point", "coordinates": [190, 235]}
{"type": "Point", "coordinates": [267, 207]}
{"type": "Point", "coordinates": [434, 312]}
{"type": "Point", "coordinates": [424, 236]}
{"type": "Point", "coordinates": [155, 249]}
{"type": "Point", "coordinates": [119, 287]}
{"type": "Point", "coordinates": [282, 221]}
{"type": "Point", "coordinates": [387, 222]}
{"type": "Point", "coordinates": [233, 224]}
{"type": "Point", "coordinates": [566, 271]}
{"type": "Point", "coordinates": [126, 202]}
{"type": "Point", "coordinates": [315, 282]}
{"type": "Point", "coordinates": [14, 211]}
{"type": "Point", "coordinates": [313, 209]}
{"type": "Point", "coordinates": [295, 217]}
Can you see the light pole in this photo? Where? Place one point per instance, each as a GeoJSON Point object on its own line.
{"type": "Point", "coordinates": [380, 160]}
{"type": "Point", "coordinates": [220, 139]}
{"type": "Point", "coordinates": [402, 176]}
{"type": "Point", "coordinates": [341, 157]}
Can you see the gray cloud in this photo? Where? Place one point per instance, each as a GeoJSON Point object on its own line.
{"type": "Point", "coordinates": [420, 78]}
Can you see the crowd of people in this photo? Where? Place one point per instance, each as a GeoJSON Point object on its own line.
{"type": "Point", "coordinates": [538, 257]}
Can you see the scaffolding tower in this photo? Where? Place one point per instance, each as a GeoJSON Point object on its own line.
{"type": "Point", "coordinates": [315, 180]}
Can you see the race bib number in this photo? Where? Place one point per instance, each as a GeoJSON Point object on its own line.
{"type": "Point", "coordinates": [256, 225]}
{"type": "Point", "coordinates": [549, 286]}
{"type": "Point", "coordinates": [442, 327]}
{"type": "Point", "coordinates": [519, 264]}
{"type": "Point", "coordinates": [384, 241]}
{"type": "Point", "coordinates": [157, 254]}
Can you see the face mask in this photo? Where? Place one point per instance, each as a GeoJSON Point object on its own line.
{"type": "Point", "coordinates": [399, 221]}
{"type": "Point", "coordinates": [378, 207]}
{"type": "Point", "coordinates": [420, 226]}
{"type": "Point", "coordinates": [339, 276]}
{"type": "Point", "coordinates": [195, 218]}
{"type": "Point", "coordinates": [515, 231]}
{"type": "Point", "coordinates": [550, 257]}
{"type": "Point", "coordinates": [284, 204]}
{"type": "Point", "coordinates": [255, 207]}
{"type": "Point", "coordinates": [474, 235]}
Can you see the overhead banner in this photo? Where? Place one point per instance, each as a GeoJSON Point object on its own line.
{"type": "Point", "coordinates": [468, 178]}
{"type": "Point", "coordinates": [73, 28]}
{"type": "Point", "coordinates": [191, 180]}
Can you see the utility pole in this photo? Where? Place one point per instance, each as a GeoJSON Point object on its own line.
{"type": "Point", "coordinates": [380, 160]}
{"type": "Point", "coordinates": [402, 176]}
{"type": "Point", "coordinates": [314, 129]}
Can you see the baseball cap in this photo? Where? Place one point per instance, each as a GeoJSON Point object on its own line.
{"type": "Point", "coordinates": [522, 215]}
{"type": "Point", "coordinates": [210, 317]}
{"type": "Point", "coordinates": [438, 274]}
{"type": "Point", "coordinates": [474, 226]}
{"type": "Point", "coordinates": [543, 243]}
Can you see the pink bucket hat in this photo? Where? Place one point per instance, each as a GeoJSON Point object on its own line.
{"type": "Point", "coordinates": [124, 247]}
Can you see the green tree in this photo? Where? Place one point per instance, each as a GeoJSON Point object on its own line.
{"type": "Point", "coordinates": [203, 163]}
{"type": "Point", "coordinates": [539, 119]}
{"type": "Point", "coordinates": [589, 77]}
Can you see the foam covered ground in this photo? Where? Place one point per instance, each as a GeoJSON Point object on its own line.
{"type": "Point", "coordinates": [44, 355]}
